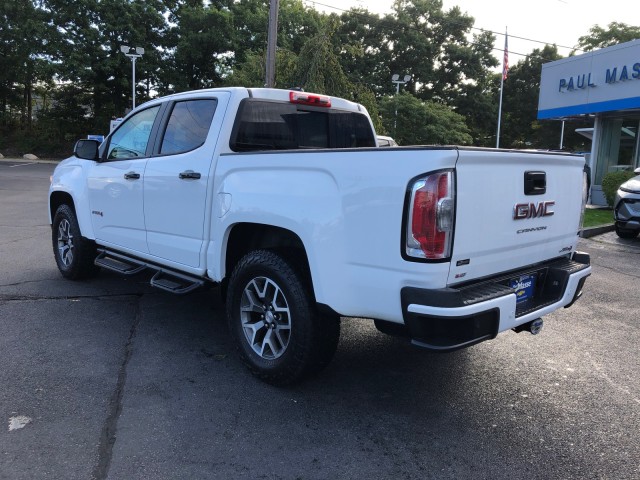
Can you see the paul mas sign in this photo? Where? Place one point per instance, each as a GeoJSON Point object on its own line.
{"type": "Point", "coordinates": [600, 81]}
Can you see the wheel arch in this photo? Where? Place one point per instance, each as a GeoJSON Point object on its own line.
{"type": "Point", "coordinates": [79, 206]}
{"type": "Point", "coordinates": [243, 238]}
{"type": "Point", "coordinates": [58, 198]}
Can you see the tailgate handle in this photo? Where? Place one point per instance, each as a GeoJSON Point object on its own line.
{"type": "Point", "coordinates": [535, 183]}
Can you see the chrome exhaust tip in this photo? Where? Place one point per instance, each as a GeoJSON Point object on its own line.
{"type": "Point", "coordinates": [533, 327]}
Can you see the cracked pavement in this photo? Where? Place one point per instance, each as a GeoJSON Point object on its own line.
{"type": "Point", "coordinates": [111, 379]}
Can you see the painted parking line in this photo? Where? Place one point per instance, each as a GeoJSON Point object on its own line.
{"type": "Point", "coordinates": [23, 164]}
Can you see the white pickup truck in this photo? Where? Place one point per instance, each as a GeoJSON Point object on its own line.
{"type": "Point", "coordinates": [282, 198]}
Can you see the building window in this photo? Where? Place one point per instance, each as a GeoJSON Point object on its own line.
{"type": "Point", "coordinates": [618, 146]}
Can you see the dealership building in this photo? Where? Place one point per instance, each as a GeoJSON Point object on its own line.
{"type": "Point", "coordinates": [603, 85]}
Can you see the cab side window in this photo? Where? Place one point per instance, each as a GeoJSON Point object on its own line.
{"type": "Point", "coordinates": [130, 140]}
{"type": "Point", "coordinates": [188, 126]}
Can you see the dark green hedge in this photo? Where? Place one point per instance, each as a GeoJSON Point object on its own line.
{"type": "Point", "coordinates": [612, 181]}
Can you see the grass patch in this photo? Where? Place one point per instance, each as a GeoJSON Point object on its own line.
{"type": "Point", "coordinates": [596, 216]}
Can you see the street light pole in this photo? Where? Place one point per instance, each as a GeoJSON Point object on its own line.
{"type": "Point", "coordinates": [395, 78]}
{"type": "Point", "coordinates": [138, 52]}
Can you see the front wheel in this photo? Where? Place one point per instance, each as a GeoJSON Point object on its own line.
{"type": "Point", "coordinates": [273, 319]}
{"type": "Point", "coordinates": [74, 254]}
{"type": "Point", "coordinates": [627, 234]}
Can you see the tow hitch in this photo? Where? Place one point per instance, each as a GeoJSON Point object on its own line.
{"type": "Point", "coordinates": [533, 327]}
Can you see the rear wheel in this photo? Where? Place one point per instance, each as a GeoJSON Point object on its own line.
{"type": "Point", "coordinates": [622, 233]}
{"type": "Point", "coordinates": [74, 254]}
{"type": "Point", "coordinates": [273, 318]}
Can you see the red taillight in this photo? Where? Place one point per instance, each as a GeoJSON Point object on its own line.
{"type": "Point", "coordinates": [310, 99]}
{"type": "Point", "coordinates": [430, 223]}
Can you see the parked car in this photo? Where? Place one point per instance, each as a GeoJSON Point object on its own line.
{"type": "Point", "coordinates": [626, 208]}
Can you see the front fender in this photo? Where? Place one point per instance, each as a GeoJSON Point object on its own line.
{"type": "Point", "coordinates": [70, 178]}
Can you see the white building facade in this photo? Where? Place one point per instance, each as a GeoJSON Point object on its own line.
{"type": "Point", "coordinates": [605, 85]}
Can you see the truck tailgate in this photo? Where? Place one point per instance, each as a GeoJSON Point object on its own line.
{"type": "Point", "coordinates": [513, 209]}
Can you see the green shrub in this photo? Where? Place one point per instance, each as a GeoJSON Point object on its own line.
{"type": "Point", "coordinates": [612, 181]}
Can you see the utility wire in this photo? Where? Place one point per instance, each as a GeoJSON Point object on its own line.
{"type": "Point", "coordinates": [526, 55]}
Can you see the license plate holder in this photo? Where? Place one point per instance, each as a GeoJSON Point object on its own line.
{"type": "Point", "coordinates": [525, 287]}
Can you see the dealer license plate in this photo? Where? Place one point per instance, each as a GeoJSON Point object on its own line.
{"type": "Point", "coordinates": [524, 286]}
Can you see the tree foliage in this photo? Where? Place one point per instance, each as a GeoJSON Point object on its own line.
{"type": "Point", "coordinates": [319, 68]}
{"type": "Point", "coordinates": [62, 73]}
{"type": "Point", "coordinates": [611, 183]}
{"type": "Point", "coordinates": [416, 122]}
{"type": "Point", "coordinates": [521, 128]}
{"type": "Point", "coordinates": [432, 46]}
{"type": "Point", "coordinates": [202, 44]}
{"type": "Point", "coordinates": [25, 35]}
{"type": "Point", "coordinates": [86, 50]}
{"type": "Point", "coordinates": [615, 33]}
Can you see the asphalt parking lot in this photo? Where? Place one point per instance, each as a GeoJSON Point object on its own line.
{"type": "Point", "coordinates": [110, 378]}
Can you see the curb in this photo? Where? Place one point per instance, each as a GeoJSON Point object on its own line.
{"type": "Point", "coordinates": [593, 231]}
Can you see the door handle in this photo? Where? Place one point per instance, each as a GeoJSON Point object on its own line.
{"type": "Point", "coordinates": [189, 175]}
{"type": "Point", "coordinates": [131, 176]}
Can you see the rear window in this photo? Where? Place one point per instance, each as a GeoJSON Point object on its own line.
{"type": "Point", "coordinates": [265, 125]}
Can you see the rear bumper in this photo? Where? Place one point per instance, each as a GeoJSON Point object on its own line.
{"type": "Point", "coordinates": [452, 318]}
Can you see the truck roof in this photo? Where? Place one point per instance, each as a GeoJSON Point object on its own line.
{"type": "Point", "coordinates": [276, 94]}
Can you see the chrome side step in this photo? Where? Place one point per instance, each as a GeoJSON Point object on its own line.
{"type": "Point", "coordinates": [165, 279]}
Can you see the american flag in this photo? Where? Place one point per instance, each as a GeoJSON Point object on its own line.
{"type": "Point", "coordinates": [505, 60]}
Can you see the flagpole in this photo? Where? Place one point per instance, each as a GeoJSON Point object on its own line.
{"type": "Point", "coordinates": [505, 68]}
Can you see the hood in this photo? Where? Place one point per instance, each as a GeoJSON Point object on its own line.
{"type": "Point", "coordinates": [632, 186]}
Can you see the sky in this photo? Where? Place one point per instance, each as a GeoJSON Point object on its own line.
{"type": "Point", "coordinates": [548, 21]}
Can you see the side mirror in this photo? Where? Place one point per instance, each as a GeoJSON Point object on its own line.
{"type": "Point", "coordinates": [637, 171]}
{"type": "Point", "coordinates": [86, 149]}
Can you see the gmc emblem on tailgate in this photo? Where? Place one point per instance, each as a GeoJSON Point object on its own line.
{"type": "Point", "coordinates": [522, 211]}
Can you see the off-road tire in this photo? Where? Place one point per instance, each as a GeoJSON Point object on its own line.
{"type": "Point", "coordinates": [307, 341]}
{"type": "Point", "coordinates": [74, 254]}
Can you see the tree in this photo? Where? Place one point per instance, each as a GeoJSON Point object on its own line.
{"type": "Point", "coordinates": [599, 37]}
{"type": "Point", "coordinates": [520, 127]}
{"type": "Point", "coordinates": [432, 46]}
{"type": "Point", "coordinates": [25, 32]}
{"type": "Point", "coordinates": [319, 68]}
{"type": "Point", "coordinates": [203, 44]}
{"type": "Point", "coordinates": [422, 122]}
{"type": "Point", "coordinates": [87, 50]}
{"type": "Point", "coordinates": [296, 24]}
{"type": "Point", "coordinates": [476, 99]}
{"type": "Point", "coordinates": [360, 40]}
{"type": "Point", "coordinates": [251, 72]}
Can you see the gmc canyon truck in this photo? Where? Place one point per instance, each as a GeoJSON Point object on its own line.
{"type": "Point", "coordinates": [283, 200]}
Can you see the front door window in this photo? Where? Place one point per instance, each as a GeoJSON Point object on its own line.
{"type": "Point", "coordinates": [132, 138]}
